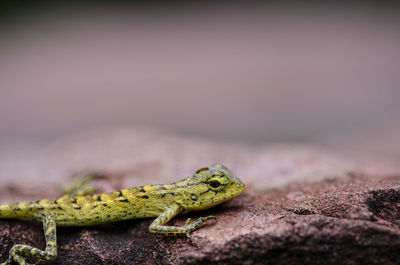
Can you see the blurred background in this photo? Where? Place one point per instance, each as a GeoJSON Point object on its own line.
{"type": "Point", "coordinates": [313, 72]}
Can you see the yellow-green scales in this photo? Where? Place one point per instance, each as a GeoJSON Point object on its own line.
{"type": "Point", "coordinates": [206, 188]}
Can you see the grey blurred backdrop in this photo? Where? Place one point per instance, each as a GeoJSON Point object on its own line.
{"type": "Point", "coordinates": [229, 70]}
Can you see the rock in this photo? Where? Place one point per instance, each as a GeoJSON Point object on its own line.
{"type": "Point", "coordinates": [303, 204]}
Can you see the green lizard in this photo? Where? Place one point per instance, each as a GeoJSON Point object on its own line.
{"type": "Point", "coordinates": [208, 187]}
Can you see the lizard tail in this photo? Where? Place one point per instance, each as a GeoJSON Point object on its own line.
{"type": "Point", "coordinates": [14, 210]}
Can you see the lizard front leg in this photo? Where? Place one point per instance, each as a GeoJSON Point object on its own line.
{"type": "Point", "coordinates": [157, 226]}
{"type": "Point", "coordinates": [19, 252]}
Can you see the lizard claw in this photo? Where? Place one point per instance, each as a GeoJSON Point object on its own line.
{"type": "Point", "coordinates": [210, 217]}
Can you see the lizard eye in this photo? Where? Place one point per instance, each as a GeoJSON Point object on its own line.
{"type": "Point", "coordinates": [215, 184]}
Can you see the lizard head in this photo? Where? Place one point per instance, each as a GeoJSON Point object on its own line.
{"type": "Point", "coordinates": [210, 186]}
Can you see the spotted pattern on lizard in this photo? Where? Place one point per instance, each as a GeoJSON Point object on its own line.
{"type": "Point", "coordinates": [208, 187]}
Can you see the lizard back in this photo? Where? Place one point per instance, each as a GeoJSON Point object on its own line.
{"type": "Point", "coordinates": [139, 202]}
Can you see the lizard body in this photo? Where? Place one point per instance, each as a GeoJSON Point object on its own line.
{"type": "Point", "coordinates": [206, 188]}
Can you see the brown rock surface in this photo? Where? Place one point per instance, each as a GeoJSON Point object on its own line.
{"type": "Point", "coordinates": [303, 204]}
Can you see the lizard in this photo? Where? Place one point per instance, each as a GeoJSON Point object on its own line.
{"type": "Point", "coordinates": [206, 188]}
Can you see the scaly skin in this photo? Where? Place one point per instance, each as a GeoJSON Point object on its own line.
{"type": "Point", "coordinates": [206, 188]}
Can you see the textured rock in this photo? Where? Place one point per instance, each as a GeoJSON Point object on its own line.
{"type": "Point", "coordinates": [303, 204]}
